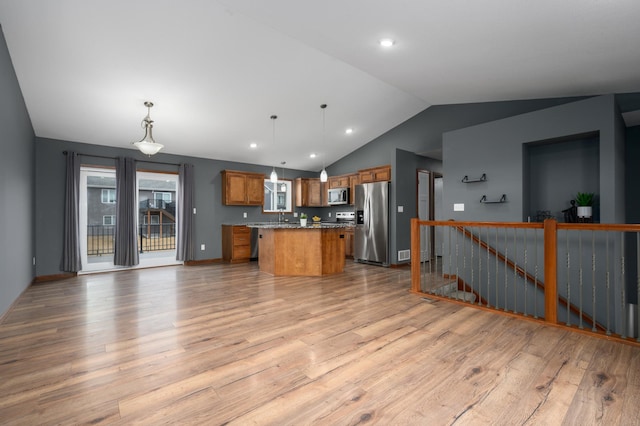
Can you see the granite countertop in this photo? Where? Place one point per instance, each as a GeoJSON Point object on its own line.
{"type": "Point", "coordinates": [296, 225]}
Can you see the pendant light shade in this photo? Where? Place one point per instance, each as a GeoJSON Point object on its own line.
{"type": "Point", "coordinates": [147, 145]}
{"type": "Point", "coordinates": [323, 174]}
{"type": "Point", "coordinates": [283, 187]}
{"type": "Point", "coordinates": [274, 175]}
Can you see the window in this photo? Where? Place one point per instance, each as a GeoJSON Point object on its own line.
{"type": "Point", "coordinates": [109, 219]}
{"type": "Point", "coordinates": [278, 197]}
{"type": "Point", "coordinates": [162, 196]}
{"type": "Point", "coordinates": [108, 196]}
{"type": "Point", "coordinates": [155, 219]}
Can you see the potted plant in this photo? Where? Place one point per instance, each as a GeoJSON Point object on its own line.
{"type": "Point", "coordinates": [584, 201]}
{"type": "Point", "coordinates": [303, 219]}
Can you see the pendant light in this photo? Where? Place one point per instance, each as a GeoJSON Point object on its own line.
{"type": "Point", "coordinates": [274, 176]}
{"type": "Point", "coordinates": [283, 187]}
{"type": "Point", "coordinates": [147, 145]}
{"type": "Point", "coordinates": [323, 174]}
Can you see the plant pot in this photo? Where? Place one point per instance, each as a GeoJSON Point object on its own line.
{"type": "Point", "coordinates": [585, 211]}
{"type": "Point", "coordinates": [303, 222]}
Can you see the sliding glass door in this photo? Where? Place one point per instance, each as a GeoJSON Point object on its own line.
{"type": "Point", "coordinates": [157, 231]}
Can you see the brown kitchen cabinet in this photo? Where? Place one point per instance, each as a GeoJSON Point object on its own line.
{"type": "Point", "coordinates": [375, 174]}
{"type": "Point", "coordinates": [354, 179]}
{"type": "Point", "coordinates": [348, 242]}
{"type": "Point", "coordinates": [242, 188]}
{"type": "Point", "coordinates": [236, 243]}
{"type": "Point", "coordinates": [310, 192]}
{"type": "Point", "coordinates": [341, 181]}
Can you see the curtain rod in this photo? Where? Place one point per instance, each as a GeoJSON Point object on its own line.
{"type": "Point", "coordinates": [113, 158]}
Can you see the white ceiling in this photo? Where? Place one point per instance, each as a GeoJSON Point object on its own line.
{"type": "Point", "coordinates": [217, 70]}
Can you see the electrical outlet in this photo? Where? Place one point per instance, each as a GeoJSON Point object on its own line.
{"type": "Point", "coordinates": [400, 209]}
{"type": "Point", "coordinates": [34, 261]}
{"type": "Point", "coordinates": [458, 207]}
{"type": "Point", "coordinates": [194, 210]}
{"type": "Point", "coordinates": [244, 215]}
{"type": "Point", "coordinates": [202, 247]}
{"type": "Point", "coordinates": [329, 214]}
{"type": "Point", "coordinates": [295, 214]}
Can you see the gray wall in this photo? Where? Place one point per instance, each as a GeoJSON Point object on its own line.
{"type": "Point", "coordinates": [422, 134]}
{"type": "Point", "coordinates": [556, 170]}
{"type": "Point", "coordinates": [496, 148]}
{"type": "Point", "coordinates": [16, 193]}
{"type": "Point", "coordinates": [211, 214]}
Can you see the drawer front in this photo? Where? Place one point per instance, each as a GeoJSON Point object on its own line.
{"type": "Point", "coordinates": [242, 239]}
{"type": "Point", "coordinates": [241, 252]}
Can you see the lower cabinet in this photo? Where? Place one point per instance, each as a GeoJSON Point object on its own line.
{"type": "Point", "coordinates": [236, 243]}
{"type": "Point", "coordinates": [348, 242]}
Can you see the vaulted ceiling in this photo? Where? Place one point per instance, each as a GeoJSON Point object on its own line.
{"type": "Point", "coordinates": [217, 70]}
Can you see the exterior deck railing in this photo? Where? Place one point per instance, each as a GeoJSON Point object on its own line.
{"type": "Point", "coordinates": [581, 276]}
{"type": "Point", "coordinates": [151, 237]}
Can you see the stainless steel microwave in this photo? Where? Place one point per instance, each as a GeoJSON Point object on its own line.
{"type": "Point", "coordinates": [338, 196]}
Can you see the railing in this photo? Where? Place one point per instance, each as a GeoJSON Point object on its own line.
{"type": "Point", "coordinates": [514, 268]}
{"type": "Point", "coordinates": [168, 206]}
{"type": "Point", "coordinates": [151, 237]}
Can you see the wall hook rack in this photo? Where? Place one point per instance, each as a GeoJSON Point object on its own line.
{"type": "Point", "coordinates": [502, 199]}
{"type": "Point", "coordinates": [482, 178]}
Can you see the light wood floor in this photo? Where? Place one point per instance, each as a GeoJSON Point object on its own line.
{"type": "Point", "coordinates": [227, 344]}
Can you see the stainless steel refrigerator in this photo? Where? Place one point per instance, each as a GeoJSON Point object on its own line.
{"type": "Point", "coordinates": [371, 244]}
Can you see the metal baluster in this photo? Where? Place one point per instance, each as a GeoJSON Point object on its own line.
{"type": "Point", "coordinates": [457, 234]}
{"type": "Point", "coordinates": [526, 282]}
{"type": "Point", "coordinates": [515, 271]}
{"type": "Point", "coordinates": [450, 263]}
{"type": "Point", "coordinates": [580, 277]}
{"type": "Point", "coordinates": [566, 238]}
{"type": "Point", "coordinates": [495, 302]}
{"type": "Point", "coordinates": [608, 285]}
{"type": "Point", "coordinates": [623, 279]}
{"type": "Point", "coordinates": [488, 270]}
{"type": "Point", "coordinates": [593, 281]}
{"type": "Point", "coordinates": [479, 266]}
{"type": "Point", "coordinates": [506, 279]}
{"type": "Point", "coordinates": [465, 258]}
{"type": "Point", "coordinates": [535, 276]}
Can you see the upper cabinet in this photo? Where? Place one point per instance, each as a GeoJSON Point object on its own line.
{"type": "Point", "coordinates": [242, 188]}
{"type": "Point", "coordinates": [310, 192]}
{"type": "Point", "coordinates": [354, 179]}
{"type": "Point", "coordinates": [345, 181]}
{"type": "Point", "coordinates": [338, 181]}
{"type": "Point", "coordinates": [375, 174]}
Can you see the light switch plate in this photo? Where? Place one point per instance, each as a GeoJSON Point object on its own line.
{"type": "Point", "coordinates": [244, 215]}
{"type": "Point", "coordinates": [400, 209]}
{"type": "Point", "coordinates": [202, 247]}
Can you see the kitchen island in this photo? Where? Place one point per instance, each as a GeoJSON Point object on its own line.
{"type": "Point", "coordinates": [292, 250]}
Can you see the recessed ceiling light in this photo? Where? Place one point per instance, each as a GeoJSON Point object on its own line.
{"type": "Point", "coordinates": [387, 42]}
{"type": "Point", "coordinates": [312, 155]}
{"type": "Point", "coordinates": [253, 145]}
{"type": "Point", "coordinates": [349, 131]}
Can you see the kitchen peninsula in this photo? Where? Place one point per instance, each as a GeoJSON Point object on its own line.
{"type": "Point", "coordinates": [289, 249]}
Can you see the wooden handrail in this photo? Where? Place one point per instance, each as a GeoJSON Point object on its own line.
{"type": "Point", "coordinates": [550, 250]}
